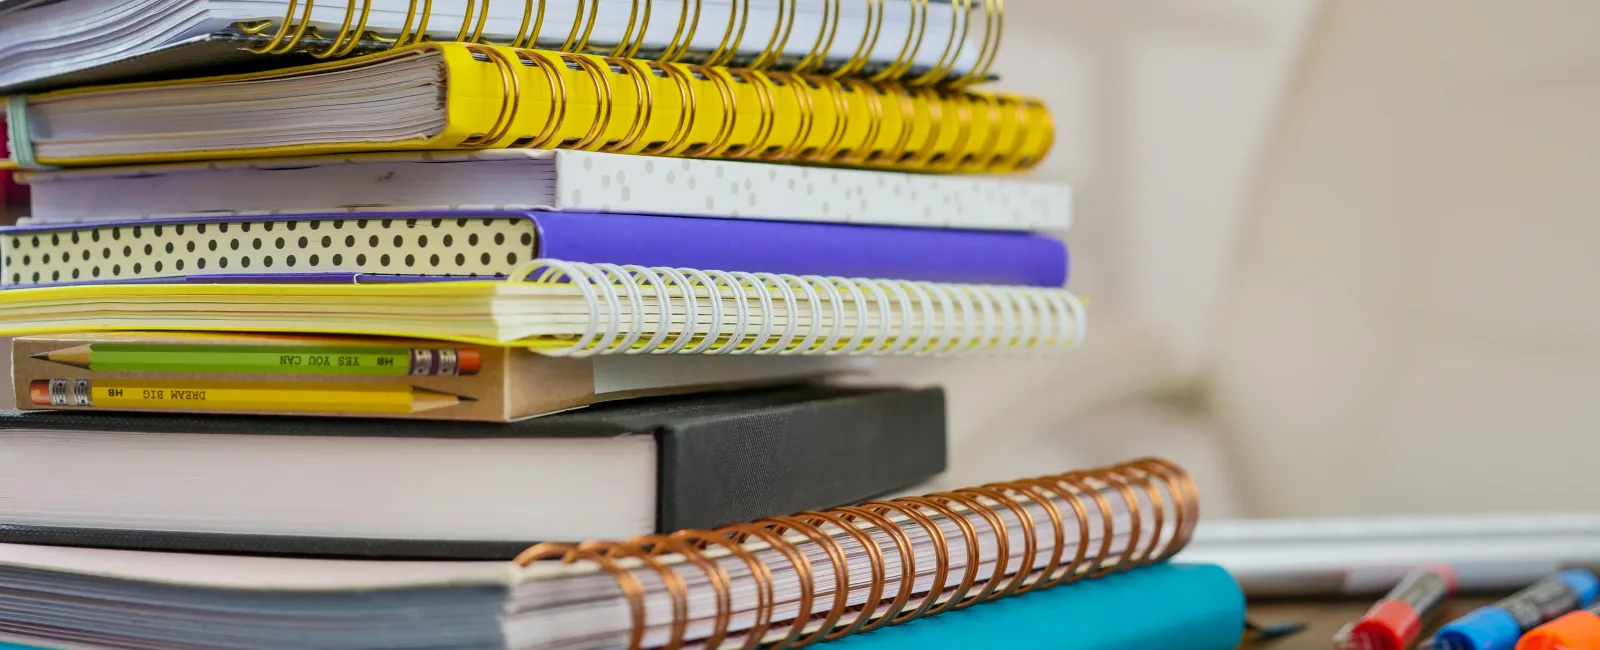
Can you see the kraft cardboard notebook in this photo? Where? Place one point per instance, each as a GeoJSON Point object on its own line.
{"type": "Point", "coordinates": [359, 377]}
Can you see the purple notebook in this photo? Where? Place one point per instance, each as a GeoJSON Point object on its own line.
{"type": "Point", "coordinates": [453, 245]}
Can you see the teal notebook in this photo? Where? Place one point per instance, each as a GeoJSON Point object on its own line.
{"type": "Point", "coordinates": [1190, 606]}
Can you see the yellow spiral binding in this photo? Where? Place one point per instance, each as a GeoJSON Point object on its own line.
{"type": "Point", "coordinates": [671, 109]}
{"type": "Point", "coordinates": [802, 547]}
{"type": "Point", "coordinates": [289, 34]}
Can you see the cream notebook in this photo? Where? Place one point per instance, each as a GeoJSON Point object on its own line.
{"type": "Point", "coordinates": [574, 181]}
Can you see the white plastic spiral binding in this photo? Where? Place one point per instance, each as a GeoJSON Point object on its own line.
{"type": "Point", "coordinates": [638, 310]}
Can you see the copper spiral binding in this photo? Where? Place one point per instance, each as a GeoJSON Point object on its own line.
{"type": "Point", "coordinates": [989, 47]}
{"type": "Point", "coordinates": [511, 86]}
{"type": "Point", "coordinates": [767, 113]}
{"type": "Point", "coordinates": [819, 48]}
{"type": "Point", "coordinates": [903, 61]}
{"type": "Point", "coordinates": [690, 102]}
{"type": "Point", "coordinates": [291, 32]}
{"type": "Point", "coordinates": [807, 116]}
{"type": "Point", "coordinates": [278, 45]}
{"type": "Point", "coordinates": [578, 38]}
{"type": "Point", "coordinates": [962, 102]}
{"type": "Point", "coordinates": [1157, 514]}
{"type": "Point", "coordinates": [730, 107]}
{"type": "Point", "coordinates": [673, 51]}
{"type": "Point", "coordinates": [841, 108]}
{"type": "Point", "coordinates": [874, 122]}
{"type": "Point", "coordinates": [986, 151]}
{"type": "Point", "coordinates": [725, 51]}
{"type": "Point", "coordinates": [340, 46]}
{"type": "Point", "coordinates": [626, 46]}
{"type": "Point", "coordinates": [863, 53]}
{"type": "Point", "coordinates": [602, 94]}
{"type": "Point", "coordinates": [773, 52]}
{"type": "Point", "coordinates": [908, 115]}
{"type": "Point", "coordinates": [644, 99]}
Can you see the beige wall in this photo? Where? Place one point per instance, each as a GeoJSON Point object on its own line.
{"type": "Point", "coordinates": [1413, 325]}
{"type": "Point", "coordinates": [1161, 109]}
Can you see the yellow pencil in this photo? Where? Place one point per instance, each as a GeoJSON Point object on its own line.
{"type": "Point", "coordinates": [296, 397]}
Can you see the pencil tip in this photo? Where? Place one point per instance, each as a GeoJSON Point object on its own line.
{"type": "Point", "coordinates": [42, 356]}
{"type": "Point", "coordinates": [466, 398]}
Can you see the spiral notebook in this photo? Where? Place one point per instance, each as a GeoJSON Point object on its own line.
{"type": "Point", "coordinates": [525, 179]}
{"type": "Point", "coordinates": [451, 95]}
{"type": "Point", "coordinates": [791, 580]}
{"type": "Point", "coordinates": [493, 244]}
{"type": "Point", "coordinates": [95, 41]}
{"type": "Point", "coordinates": [576, 309]}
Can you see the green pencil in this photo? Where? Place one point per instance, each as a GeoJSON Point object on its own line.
{"type": "Point", "coordinates": [299, 359]}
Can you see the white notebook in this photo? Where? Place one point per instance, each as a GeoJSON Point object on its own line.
{"type": "Point", "coordinates": [575, 181]}
{"type": "Point", "coordinates": [69, 42]}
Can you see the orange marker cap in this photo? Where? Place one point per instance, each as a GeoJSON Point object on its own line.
{"type": "Point", "coordinates": [468, 361]}
{"type": "Point", "coordinates": [1575, 631]}
{"type": "Point", "coordinates": [39, 392]}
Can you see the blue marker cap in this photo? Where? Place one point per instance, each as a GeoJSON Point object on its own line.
{"type": "Point", "coordinates": [1584, 583]}
{"type": "Point", "coordinates": [1485, 628]}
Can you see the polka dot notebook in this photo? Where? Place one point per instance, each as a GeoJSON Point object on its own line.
{"type": "Point", "coordinates": [484, 244]}
{"type": "Point", "coordinates": [576, 181]}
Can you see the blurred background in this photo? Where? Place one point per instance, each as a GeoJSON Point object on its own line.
{"type": "Point", "coordinates": [1337, 252]}
{"type": "Point", "coordinates": [1340, 253]}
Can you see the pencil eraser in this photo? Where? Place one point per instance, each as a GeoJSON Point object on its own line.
{"type": "Point", "coordinates": [468, 361]}
{"type": "Point", "coordinates": [1584, 583]}
{"type": "Point", "coordinates": [39, 392]}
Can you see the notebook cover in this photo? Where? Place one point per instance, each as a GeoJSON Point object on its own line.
{"type": "Point", "coordinates": [437, 243]}
{"type": "Point", "coordinates": [208, 54]}
{"type": "Point", "coordinates": [585, 181]}
{"type": "Point", "coordinates": [724, 458]}
{"type": "Point", "coordinates": [1189, 606]}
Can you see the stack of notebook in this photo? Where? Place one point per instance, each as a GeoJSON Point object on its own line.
{"type": "Point", "coordinates": [356, 324]}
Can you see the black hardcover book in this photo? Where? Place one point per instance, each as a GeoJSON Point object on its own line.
{"type": "Point", "coordinates": [405, 489]}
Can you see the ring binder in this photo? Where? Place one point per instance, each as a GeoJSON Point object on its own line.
{"type": "Point", "coordinates": [807, 545]}
{"type": "Point", "coordinates": [291, 32]}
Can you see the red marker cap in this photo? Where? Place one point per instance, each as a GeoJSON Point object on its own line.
{"type": "Point", "coordinates": [1389, 625]}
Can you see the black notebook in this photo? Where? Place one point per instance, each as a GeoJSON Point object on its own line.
{"type": "Point", "coordinates": [402, 489]}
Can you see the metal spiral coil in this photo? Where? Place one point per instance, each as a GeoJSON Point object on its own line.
{"type": "Point", "coordinates": [943, 122]}
{"type": "Point", "coordinates": [293, 31]}
{"type": "Point", "coordinates": [1149, 489]}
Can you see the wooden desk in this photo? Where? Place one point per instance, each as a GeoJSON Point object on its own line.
{"type": "Point", "coordinates": [1324, 618]}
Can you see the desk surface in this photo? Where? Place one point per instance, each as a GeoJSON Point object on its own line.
{"type": "Point", "coordinates": [1324, 618]}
